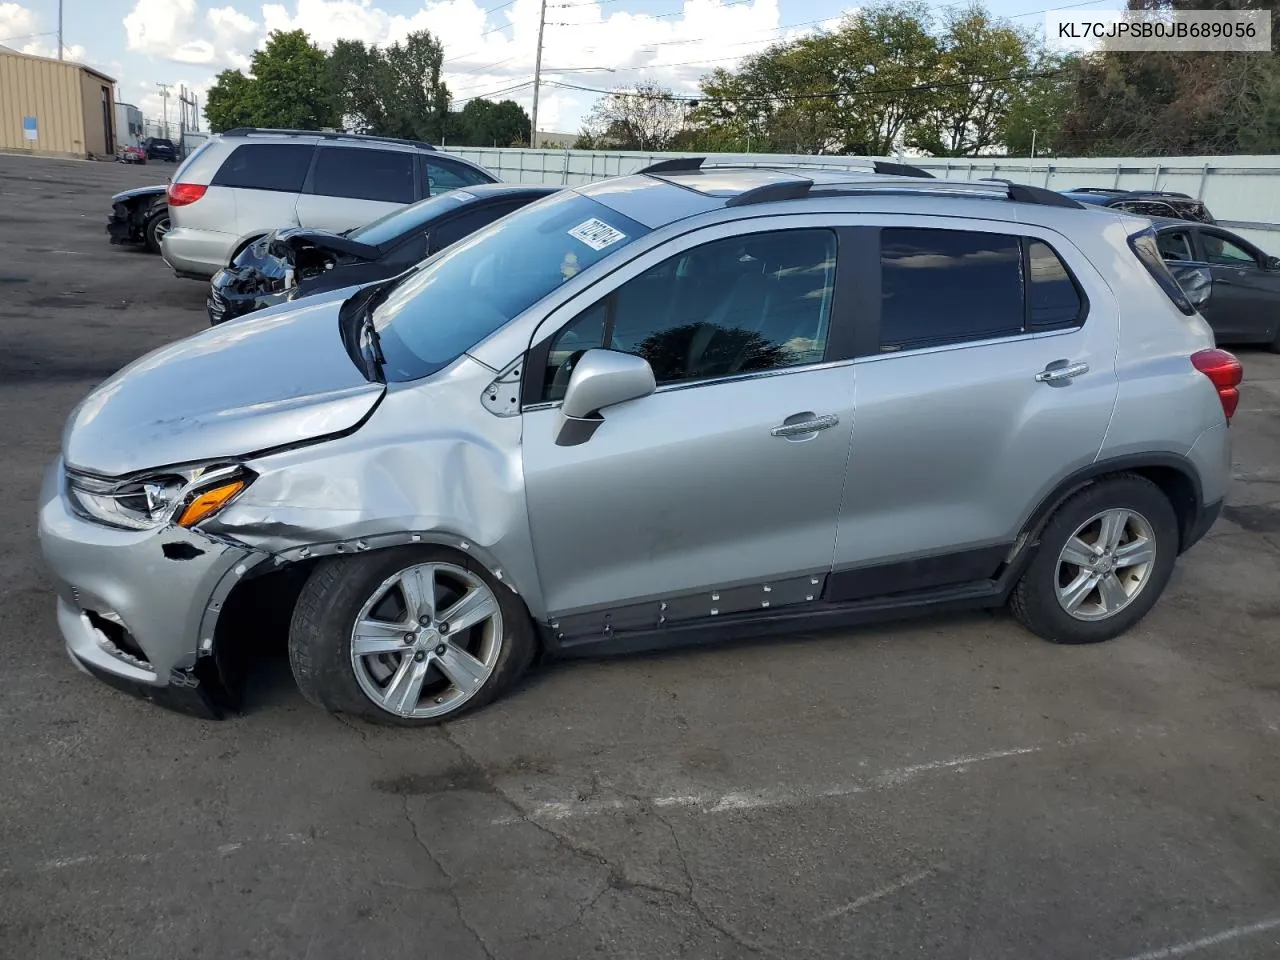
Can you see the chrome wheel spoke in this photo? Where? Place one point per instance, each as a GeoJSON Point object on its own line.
{"type": "Point", "coordinates": [1112, 593]}
{"type": "Point", "coordinates": [1074, 593]}
{"type": "Point", "coordinates": [1134, 552]}
{"type": "Point", "coordinates": [419, 588]}
{"type": "Point", "coordinates": [372, 637]}
{"type": "Point", "coordinates": [475, 607]}
{"type": "Point", "coordinates": [462, 669]}
{"type": "Point", "coordinates": [402, 693]}
{"type": "Point", "coordinates": [1114, 523]}
{"type": "Point", "coordinates": [1078, 553]}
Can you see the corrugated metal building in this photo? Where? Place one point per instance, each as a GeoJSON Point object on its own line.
{"type": "Point", "coordinates": [55, 107]}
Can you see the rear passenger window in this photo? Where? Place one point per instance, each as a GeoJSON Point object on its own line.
{"type": "Point", "coordinates": [953, 286]}
{"type": "Point", "coordinates": [1052, 297]}
{"type": "Point", "coordinates": [755, 302]}
{"type": "Point", "coordinates": [266, 166]}
{"type": "Point", "coordinates": [943, 286]}
{"type": "Point", "coordinates": [362, 174]}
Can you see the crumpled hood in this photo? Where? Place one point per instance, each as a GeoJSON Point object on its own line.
{"type": "Point", "coordinates": [156, 191]}
{"type": "Point", "coordinates": [267, 380]}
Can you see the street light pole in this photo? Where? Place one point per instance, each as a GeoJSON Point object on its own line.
{"type": "Point", "coordinates": [537, 77]}
{"type": "Point", "coordinates": [59, 29]}
{"type": "Point", "coordinates": [164, 98]}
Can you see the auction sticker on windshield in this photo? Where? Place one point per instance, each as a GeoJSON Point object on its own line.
{"type": "Point", "coordinates": [596, 234]}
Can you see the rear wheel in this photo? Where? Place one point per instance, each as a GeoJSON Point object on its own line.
{"type": "Point", "coordinates": [155, 230]}
{"type": "Point", "coordinates": [1104, 558]}
{"type": "Point", "coordinates": [407, 636]}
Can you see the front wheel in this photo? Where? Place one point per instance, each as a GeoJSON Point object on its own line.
{"type": "Point", "coordinates": [1104, 558]}
{"type": "Point", "coordinates": [407, 636]}
{"type": "Point", "coordinates": [155, 230]}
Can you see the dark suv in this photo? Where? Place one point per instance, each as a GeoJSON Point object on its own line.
{"type": "Point", "coordinates": [158, 148]}
{"type": "Point", "coordinates": [1145, 203]}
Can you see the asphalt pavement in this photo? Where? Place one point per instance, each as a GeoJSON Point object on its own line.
{"type": "Point", "coordinates": [940, 788]}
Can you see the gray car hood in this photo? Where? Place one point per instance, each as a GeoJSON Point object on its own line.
{"type": "Point", "coordinates": [270, 379]}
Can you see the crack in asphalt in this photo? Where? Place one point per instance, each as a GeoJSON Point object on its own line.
{"type": "Point", "coordinates": [617, 878]}
{"type": "Point", "coordinates": [452, 891]}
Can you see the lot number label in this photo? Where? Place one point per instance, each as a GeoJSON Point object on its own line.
{"type": "Point", "coordinates": [596, 234]}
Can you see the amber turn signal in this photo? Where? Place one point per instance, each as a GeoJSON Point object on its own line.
{"type": "Point", "coordinates": [209, 503]}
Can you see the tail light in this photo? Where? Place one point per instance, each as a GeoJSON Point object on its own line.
{"type": "Point", "coordinates": [181, 194]}
{"type": "Point", "coordinates": [1225, 372]}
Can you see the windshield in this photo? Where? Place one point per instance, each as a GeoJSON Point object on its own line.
{"type": "Point", "coordinates": [393, 225]}
{"type": "Point", "coordinates": [436, 312]}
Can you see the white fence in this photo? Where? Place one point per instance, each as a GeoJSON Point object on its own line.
{"type": "Point", "coordinates": [1243, 192]}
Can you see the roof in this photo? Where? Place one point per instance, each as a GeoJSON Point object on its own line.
{"type": "Point", "coordinates": [10, 52]}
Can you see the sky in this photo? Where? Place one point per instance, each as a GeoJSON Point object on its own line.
{"type": "Point", "coordinates": [489, 44]}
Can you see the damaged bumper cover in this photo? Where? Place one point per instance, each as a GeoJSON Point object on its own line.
{"type": "Point", "coordinates": [138, 608]}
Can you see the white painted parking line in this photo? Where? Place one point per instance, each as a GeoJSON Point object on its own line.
{"type": "Point", "coordinates": [887, 890]}
{"type": "Point", "coordinates": [1191, 946]}
{"type": "Point", "coordinates": [737, 800]}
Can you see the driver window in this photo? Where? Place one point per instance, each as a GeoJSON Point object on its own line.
{"type": "Point", "coordinates": [755, 302]}
{"type": "Point", "coordinates": [1220, 250]}
{"type": "Point", "coordinates": [1175, 245]}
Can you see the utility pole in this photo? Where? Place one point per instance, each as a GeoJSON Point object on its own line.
{"type": "Point", "coordinates": [59, 29]}
{"type": "Point", "coordinates": [537, 77]}
{"type": "Point", "coordinates": [164, 96]}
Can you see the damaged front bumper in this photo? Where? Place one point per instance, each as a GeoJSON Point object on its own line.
{"type": "Point", "coordinates": [235, 292]}
{"type": "Point", "coordinates": [138, 608]}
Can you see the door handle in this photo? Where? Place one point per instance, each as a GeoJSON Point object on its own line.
{"type": "Point", "coordinates": [802, 427]}
{"type": "Point", "coordinates": [1060, 371]}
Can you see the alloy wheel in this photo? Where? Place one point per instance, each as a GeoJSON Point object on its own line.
{"type": "Point", "coordinates": [427, 640]}
{"type": "Point", "coordinates": [1105, 564]}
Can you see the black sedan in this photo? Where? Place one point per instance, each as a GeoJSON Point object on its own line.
{"type": "Point", "coordinates": [140, 216]}
{"type": "Point", "coordinates": [294, 262]}
{"type": "Point", "coordinates": [1244, 302]}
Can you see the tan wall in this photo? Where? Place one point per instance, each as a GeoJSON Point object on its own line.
{"type": "Point", "coordinates": [49, 90]}
{"type": "Point", "coordinates": [99, 136]}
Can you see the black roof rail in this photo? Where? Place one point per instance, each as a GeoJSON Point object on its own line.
{"type": "Point", "coordinates": [771, 193]}
{"type": "Point", "coordinates": [674, 165]}
{"type": "Point", "coordinates": [1161, 193]}
{"type": "Point", "coordinates": [1095, 190]}
{"type": "Point", "coordinates": [325, 135]}
{"type": "Point", "coordinates": [901, 170]}
{"type": "Point", "coordinates": [1025, 193]}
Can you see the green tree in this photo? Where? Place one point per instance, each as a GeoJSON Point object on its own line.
{"type": "Point", "coordinates": [484, 123]}
{"type": "Point", "coordinates": [356, 77]}
{"type": "Point", "coordinates": [982, 70]}
{"type": "Point", "coordinates": [1034, 122]}
{"type": "Point", "coordinates": [229, 102]}
{"type": "Point", "coordinates": [644, 117]}
{"type": "Point", "coordinates": [413, 98]}
{"type": "Point", "coordinates": [291, 84]}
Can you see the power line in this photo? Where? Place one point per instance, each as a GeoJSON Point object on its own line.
{"type": "Point", "coordinates": [828, 95]}
{"type": "Point", "coordinates": [494, 93]}
{"type": "Point", "coordinates": [27, 36]}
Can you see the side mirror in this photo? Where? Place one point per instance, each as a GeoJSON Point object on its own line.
{"type": "Point", "coordinates": [1271, 263]}
{"type": "Point", "coordinates": [601, 379]}
{"type": "Point", "coordinates": [1196, 283]}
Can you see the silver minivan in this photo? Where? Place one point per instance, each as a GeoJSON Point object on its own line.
{"type": "Point", "coordinates": [244, 183]}
{"type": "Point", "coordinates": [693, 403]}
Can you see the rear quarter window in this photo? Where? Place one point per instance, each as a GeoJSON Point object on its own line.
{"type": "Point", "coordinates": [266, 166]}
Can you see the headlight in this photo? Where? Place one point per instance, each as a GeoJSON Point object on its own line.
{"type": "Point", "coordinates": [182, 496]}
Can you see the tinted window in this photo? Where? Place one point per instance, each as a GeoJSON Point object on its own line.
{"type": "Point", "coordinates": [442, 175]}
{"type": "Point", "coordinates": [1052, 297]}
{"type": "Point", "coordinates": [465, 224]}
{"type": "Point", "coordinates": [362, 174]}
{"type": "Point", "coordinates": [1221, 250]}
{"type": "Point", "coordinates": [417, 216]}
{"type": "Point", "coordinates": [266, 166]}
{"type": "Point", "coordinates": [755, 302]}
{"type": "Point", "coordinates": [1175, 245]}
{"type": "Point", "coordinates": [942, 286]}
{"type": "Point", "coordinates": [451, 302]}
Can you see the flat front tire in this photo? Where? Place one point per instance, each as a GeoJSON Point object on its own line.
{"type": "Point", "coordinates": [1103, 560]}
{"type": "Point", "coordinates": [407, 636]}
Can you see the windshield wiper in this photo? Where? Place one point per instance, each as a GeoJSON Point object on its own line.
{"type": "Point", "coordinates": [374, 355]}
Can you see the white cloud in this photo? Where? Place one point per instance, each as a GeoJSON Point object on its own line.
{"type": "Point", "coordinates": [601, 46]}
{"type": "Point", "coordinates": [22, 30]}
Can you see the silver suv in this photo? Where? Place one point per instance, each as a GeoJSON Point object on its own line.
{"type": "Point", "coordinates": [244, 183]}
{"type": "Point", "coordinates": [683, 405]}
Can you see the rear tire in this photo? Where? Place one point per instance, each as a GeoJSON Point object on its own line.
{"type": "Point", "coordinates": [1124, 532]}
{"type": "Point", "coordinates": [457, 668]}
